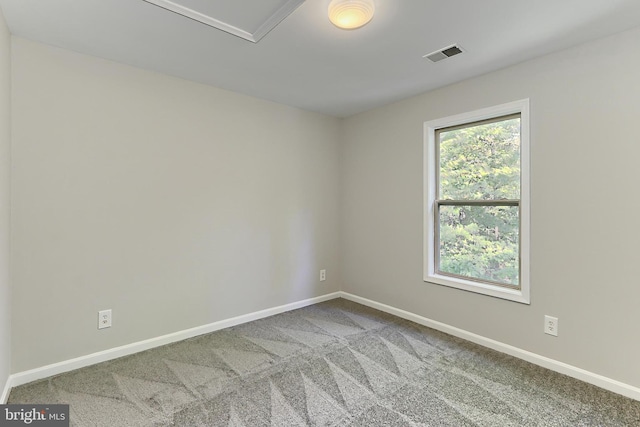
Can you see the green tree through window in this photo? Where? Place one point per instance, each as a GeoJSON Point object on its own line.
{"type": "Point", "coordinates": [478, 201]}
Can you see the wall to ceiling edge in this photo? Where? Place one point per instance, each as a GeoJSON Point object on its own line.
{"type": "Point", "coordinates": [585, 103]}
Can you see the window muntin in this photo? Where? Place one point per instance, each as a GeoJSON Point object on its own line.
{"type": "Point", "coordinates": [463, 206]}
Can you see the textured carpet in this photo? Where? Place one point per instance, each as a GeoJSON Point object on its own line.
{"type": "Point", "coordinates": [332, 364]}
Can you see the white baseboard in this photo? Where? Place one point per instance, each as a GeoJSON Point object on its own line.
{"type": "Point", "coordinates": [91, 359]}
{"type": "Point", "coordinates": [5, 392]}
{"type": "Point", "coordinates": [554, 365]}
{"type": "Point", "coordinates": [125, 350]}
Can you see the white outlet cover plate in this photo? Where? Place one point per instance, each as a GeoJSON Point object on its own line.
{"type": "Point", "coordinates": [551, 325]}
{"type": "Point", "coordinates": [104, 319]}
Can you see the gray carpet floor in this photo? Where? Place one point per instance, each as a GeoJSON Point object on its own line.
{"type": "Point", "coordinates": [332, 364]}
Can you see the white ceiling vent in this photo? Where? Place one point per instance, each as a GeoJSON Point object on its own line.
{"type": "Point", "coordinates": [249, 21]}
{"type": "Point", "coordinates": [444, 53]}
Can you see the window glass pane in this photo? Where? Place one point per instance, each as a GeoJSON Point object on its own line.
{"type": "Point", "coordinates": [480, 161]}
{"type": "Point", "coordinates": [480, 242]}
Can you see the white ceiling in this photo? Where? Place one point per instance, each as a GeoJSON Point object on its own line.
{"type": "Point", "coordinates": [307, 62]}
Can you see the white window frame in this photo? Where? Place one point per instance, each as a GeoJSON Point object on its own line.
{"type": "Point", "coordinates": [520, 295]}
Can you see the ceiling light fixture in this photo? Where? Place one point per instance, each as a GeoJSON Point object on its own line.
{"type": "Point", "coordinates": [350, 14]}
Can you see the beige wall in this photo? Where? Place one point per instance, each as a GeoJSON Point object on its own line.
{"type": "Point", "coordinates": [585, 106]}
{"type": "Point", "coordinates": [5, 167]}
{"type": "Point", "coordinates": [173, 203]}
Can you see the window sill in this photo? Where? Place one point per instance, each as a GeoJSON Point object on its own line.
{"type": "Point", "coordinates": [517, 295]}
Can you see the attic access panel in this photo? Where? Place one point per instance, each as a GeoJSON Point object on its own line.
{"type": "Point", "coordinates": [248, 19]}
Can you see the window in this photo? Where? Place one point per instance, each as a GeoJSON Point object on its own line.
{"type": "Point", "coordinates": [476, 232]}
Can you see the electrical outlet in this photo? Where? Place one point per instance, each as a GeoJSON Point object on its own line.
{"type": "Point", "coordinates": [551, 325]}
{"type": "Point", "coordinates": [104, 319]}
{"type": "Point", "coordinates": [323, 275]}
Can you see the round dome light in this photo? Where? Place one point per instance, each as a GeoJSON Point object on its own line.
{"type": "Point", "coordinates": [350, 14]}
